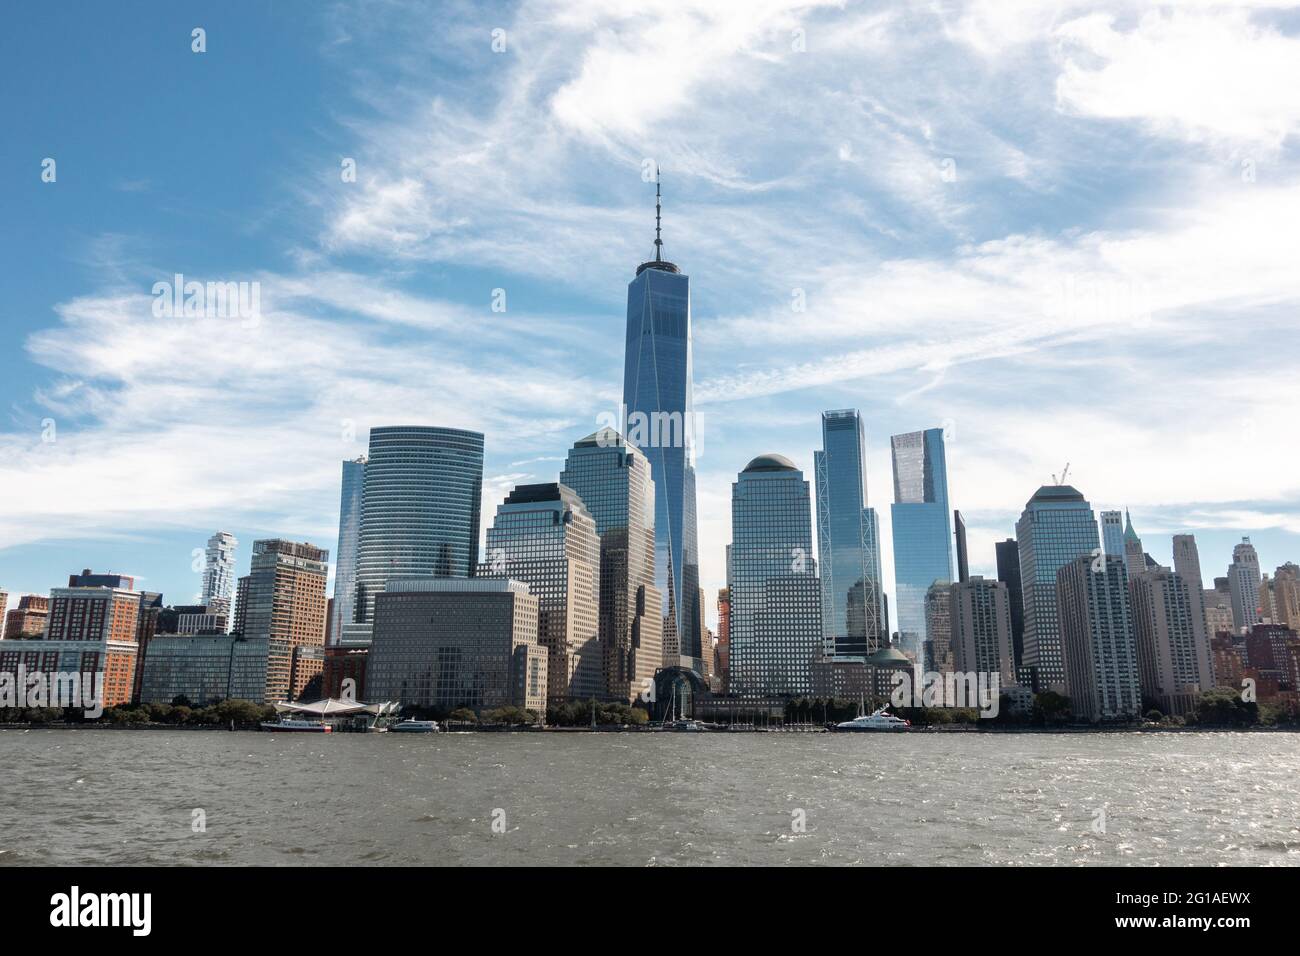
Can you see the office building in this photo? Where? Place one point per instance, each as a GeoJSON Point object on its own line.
{"type": "Point", "coordinates": [658, 406]}
{"type": "Point", "coordinates": [281, 602]}
{"type": "Point", "coordinates": [613, 480]}
{"type": "Point", "coordinates": [1056, 527]}
{"type": "Point", "coordinates": [1112, 533]}
{"type": "Point", "coordinates": [775, 621]}
{"type": "Point", "coordinates": [1008, 561]}
{"type": "Point", "coordinates": [852, 614]}
{"type": "Point", "coordinates": [343, 607]}
{"type": "Point", "coordinates": [444, 643]}
{"type": "Point", "coordinates": [923, 532]}
{"type": "Point", "coordinates": [1243, 584]}
{"type": "Point", "coordinates": [27, 620]}
{"type": "Point", "coordinates": [544, 537]}
{"type": "Point", "coordinates": [421, 493]}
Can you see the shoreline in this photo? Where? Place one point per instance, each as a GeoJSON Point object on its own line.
{"type": "Point", "coordinates": [795, 730]}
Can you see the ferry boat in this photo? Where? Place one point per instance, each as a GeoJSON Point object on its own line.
{"type": "Point", "coordinates": [877, 720]}
{"type": "Point", "coordinates": [412, 726]}
{"type": "Point", "coordinates": [297, 725]}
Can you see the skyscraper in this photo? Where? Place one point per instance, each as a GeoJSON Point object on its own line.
{"type": "Point", "coordinates": [345, 558]}
{"type": "Point", "coordinates": [1008, 558]}
{"type": "Point", "coordinates": [419, 511]}
{"type": "Point", "coordinates": [1096, 633]}
{"type": "Point", "coordinates": [963, 559]}
{"type": "Point", "coordinates": [1174, 659]}
{"type": "Point", "coordinates": [923, 532]}
{"type": "Point", "coordinates": [660, 420]}
{"type": "Point", "coordinates": [1243, 584]}
{"type": "Point", "coordinates": [1135, 559]}
{"type": "Point", "coordinates": [282, 603]}
{"type": "Point", "coordinates": [1112, 532]}
{"type": "Point", "coordinates": [613, 480]}
{"type": "Point", "coordinates": [1187, 564]}
{"type": "Point", "coordinates": [1056, 527]}
{"type": "Point", "coordinates": [219, 572]}
{"type": "Point", "coordinates": [544, 537]}
{"type": "Point", "coordinates": [852, 618]}
{"type": "Point", "coordinates": [775, 625]}
{"type": "Point", "coordinates": [981, 629]}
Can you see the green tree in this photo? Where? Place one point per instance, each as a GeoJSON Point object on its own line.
{"type": "Point", "coordinates": [1051, 708]}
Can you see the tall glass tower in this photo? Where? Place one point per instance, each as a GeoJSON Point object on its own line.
{"type": "Point", "coordinates": [852, 618]}
{"type": "Point", "coordinates": [419, 511]}
{"type": "Point", "coordinates": [660, 420]}
{"type": "Point", "coordinates": [923, 535]}
{"type": "Point", "coordinates": [345, 567]}
{"type": "Point", "coordinates": [775, 625]}
{"type": "Point", "coordinates": [1056, 528]}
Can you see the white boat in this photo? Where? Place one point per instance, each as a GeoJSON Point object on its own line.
{"type": "Point", "coordinates": [411, 726]}
{"type": "Point", "coordinates": [877, 720]}
{"type": "Point", "coordinates": [297, 725]}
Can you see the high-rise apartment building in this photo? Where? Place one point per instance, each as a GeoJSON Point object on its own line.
{"type": "Point", "coordinates": [938, 628]}
{"type": "Point", "coordinates": [1096, 630]}
{"type": "Point", "coordinates": [981, 629]}
{"type": "Point", "coordinates": [1056, 528]}
{"type": "Point", "coordinates": [613, 480]}
{"type": "Point", "coordinates": [963, 558]}
{"type": "Point", "coordinates": [1243, 584]}
{"type": "Point", "coordinates": [421, 494]}
{"type": "Point", "coordinates": [658, 406]}
{"type": "Point", "coordinates": [343, 609]}
{"type": "Point", "coordinates": [219, 573]}
{"type": "Point", "coordinates": [544, 537]}
{"type": "Point", "coordinates": [1187, 565]}
{"type": "Point", "coordinates": [775, 624]}
{"type": "Point", "coordinates": [282, 602]}
{"type": "Point", "coordinates": [27, 619]}
{"type": "Point", "coordinates": [1174, 658]}
{"type": "Point", "coordinates": [923, 532]}
{"type": "Point", "coordinates": [1286, 595]}
{"type": "Point", "coordinates": [722, 670]}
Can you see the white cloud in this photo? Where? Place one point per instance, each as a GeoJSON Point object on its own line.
{"type": "Point", "coordinates": [1207, 75]}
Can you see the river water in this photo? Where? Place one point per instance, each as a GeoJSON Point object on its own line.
{"type": "Point", "coordinates": [176, 797]}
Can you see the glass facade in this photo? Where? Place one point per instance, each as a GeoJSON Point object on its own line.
{"type": "Point", "coordinates": [660, 416]}
{"type": "Point", "coordinates": [775, 619]}
{"type": "Point", "coordinates": [420, 511]}
{"type": "Point", "coordinates": [543, 536]}
{"type": "Point", "coordinates": [613, 480]}
{"type": "Point", "coordinates": [1112, 532]}
{"type": "Point", "coordinates": [923, 535]}
{"type": "Point", "coordinates": [852, 616]}
{"type": "Point", "coordinates": [1008, 557]}
{"type": "Point", "coordinates": [1057, 527]}
{"type": "Point", "coordinates": [345, 568]}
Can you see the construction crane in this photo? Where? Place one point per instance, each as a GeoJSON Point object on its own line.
{"type": "Point", "coordinates": [1064, 473]}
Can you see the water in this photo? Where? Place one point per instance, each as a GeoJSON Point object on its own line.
{"type": "Point", "coordinates": [127, 797]}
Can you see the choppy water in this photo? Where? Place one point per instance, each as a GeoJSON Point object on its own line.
{"type": "Point", "coordinates": [115, 797]}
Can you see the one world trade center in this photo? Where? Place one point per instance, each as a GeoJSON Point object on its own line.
{"type": "Point", "coordinates": [660, 420]}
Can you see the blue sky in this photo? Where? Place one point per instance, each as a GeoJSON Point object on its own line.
{"type": "Point", "coordinates": [1065, 232]}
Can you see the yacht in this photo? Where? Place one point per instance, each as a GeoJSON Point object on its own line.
{"type": "Point", "coordinates": [877, 720]}
{"type": "Point", "coordinates": [297, 725]}
{"type": "Point", "coordinates": [413, 726]}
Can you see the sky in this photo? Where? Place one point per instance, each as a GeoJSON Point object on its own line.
{"type": "Point", "coordinates": [1064, 232]}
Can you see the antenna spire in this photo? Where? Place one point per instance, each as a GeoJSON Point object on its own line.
{"type": "Point", "coordinates": [659, 243]}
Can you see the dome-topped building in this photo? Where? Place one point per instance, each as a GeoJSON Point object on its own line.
{"type": "Point", "coordinates": [771, 462]}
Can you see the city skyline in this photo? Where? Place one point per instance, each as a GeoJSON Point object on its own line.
{"type": "Point", "coordinates": [1030, 258]}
